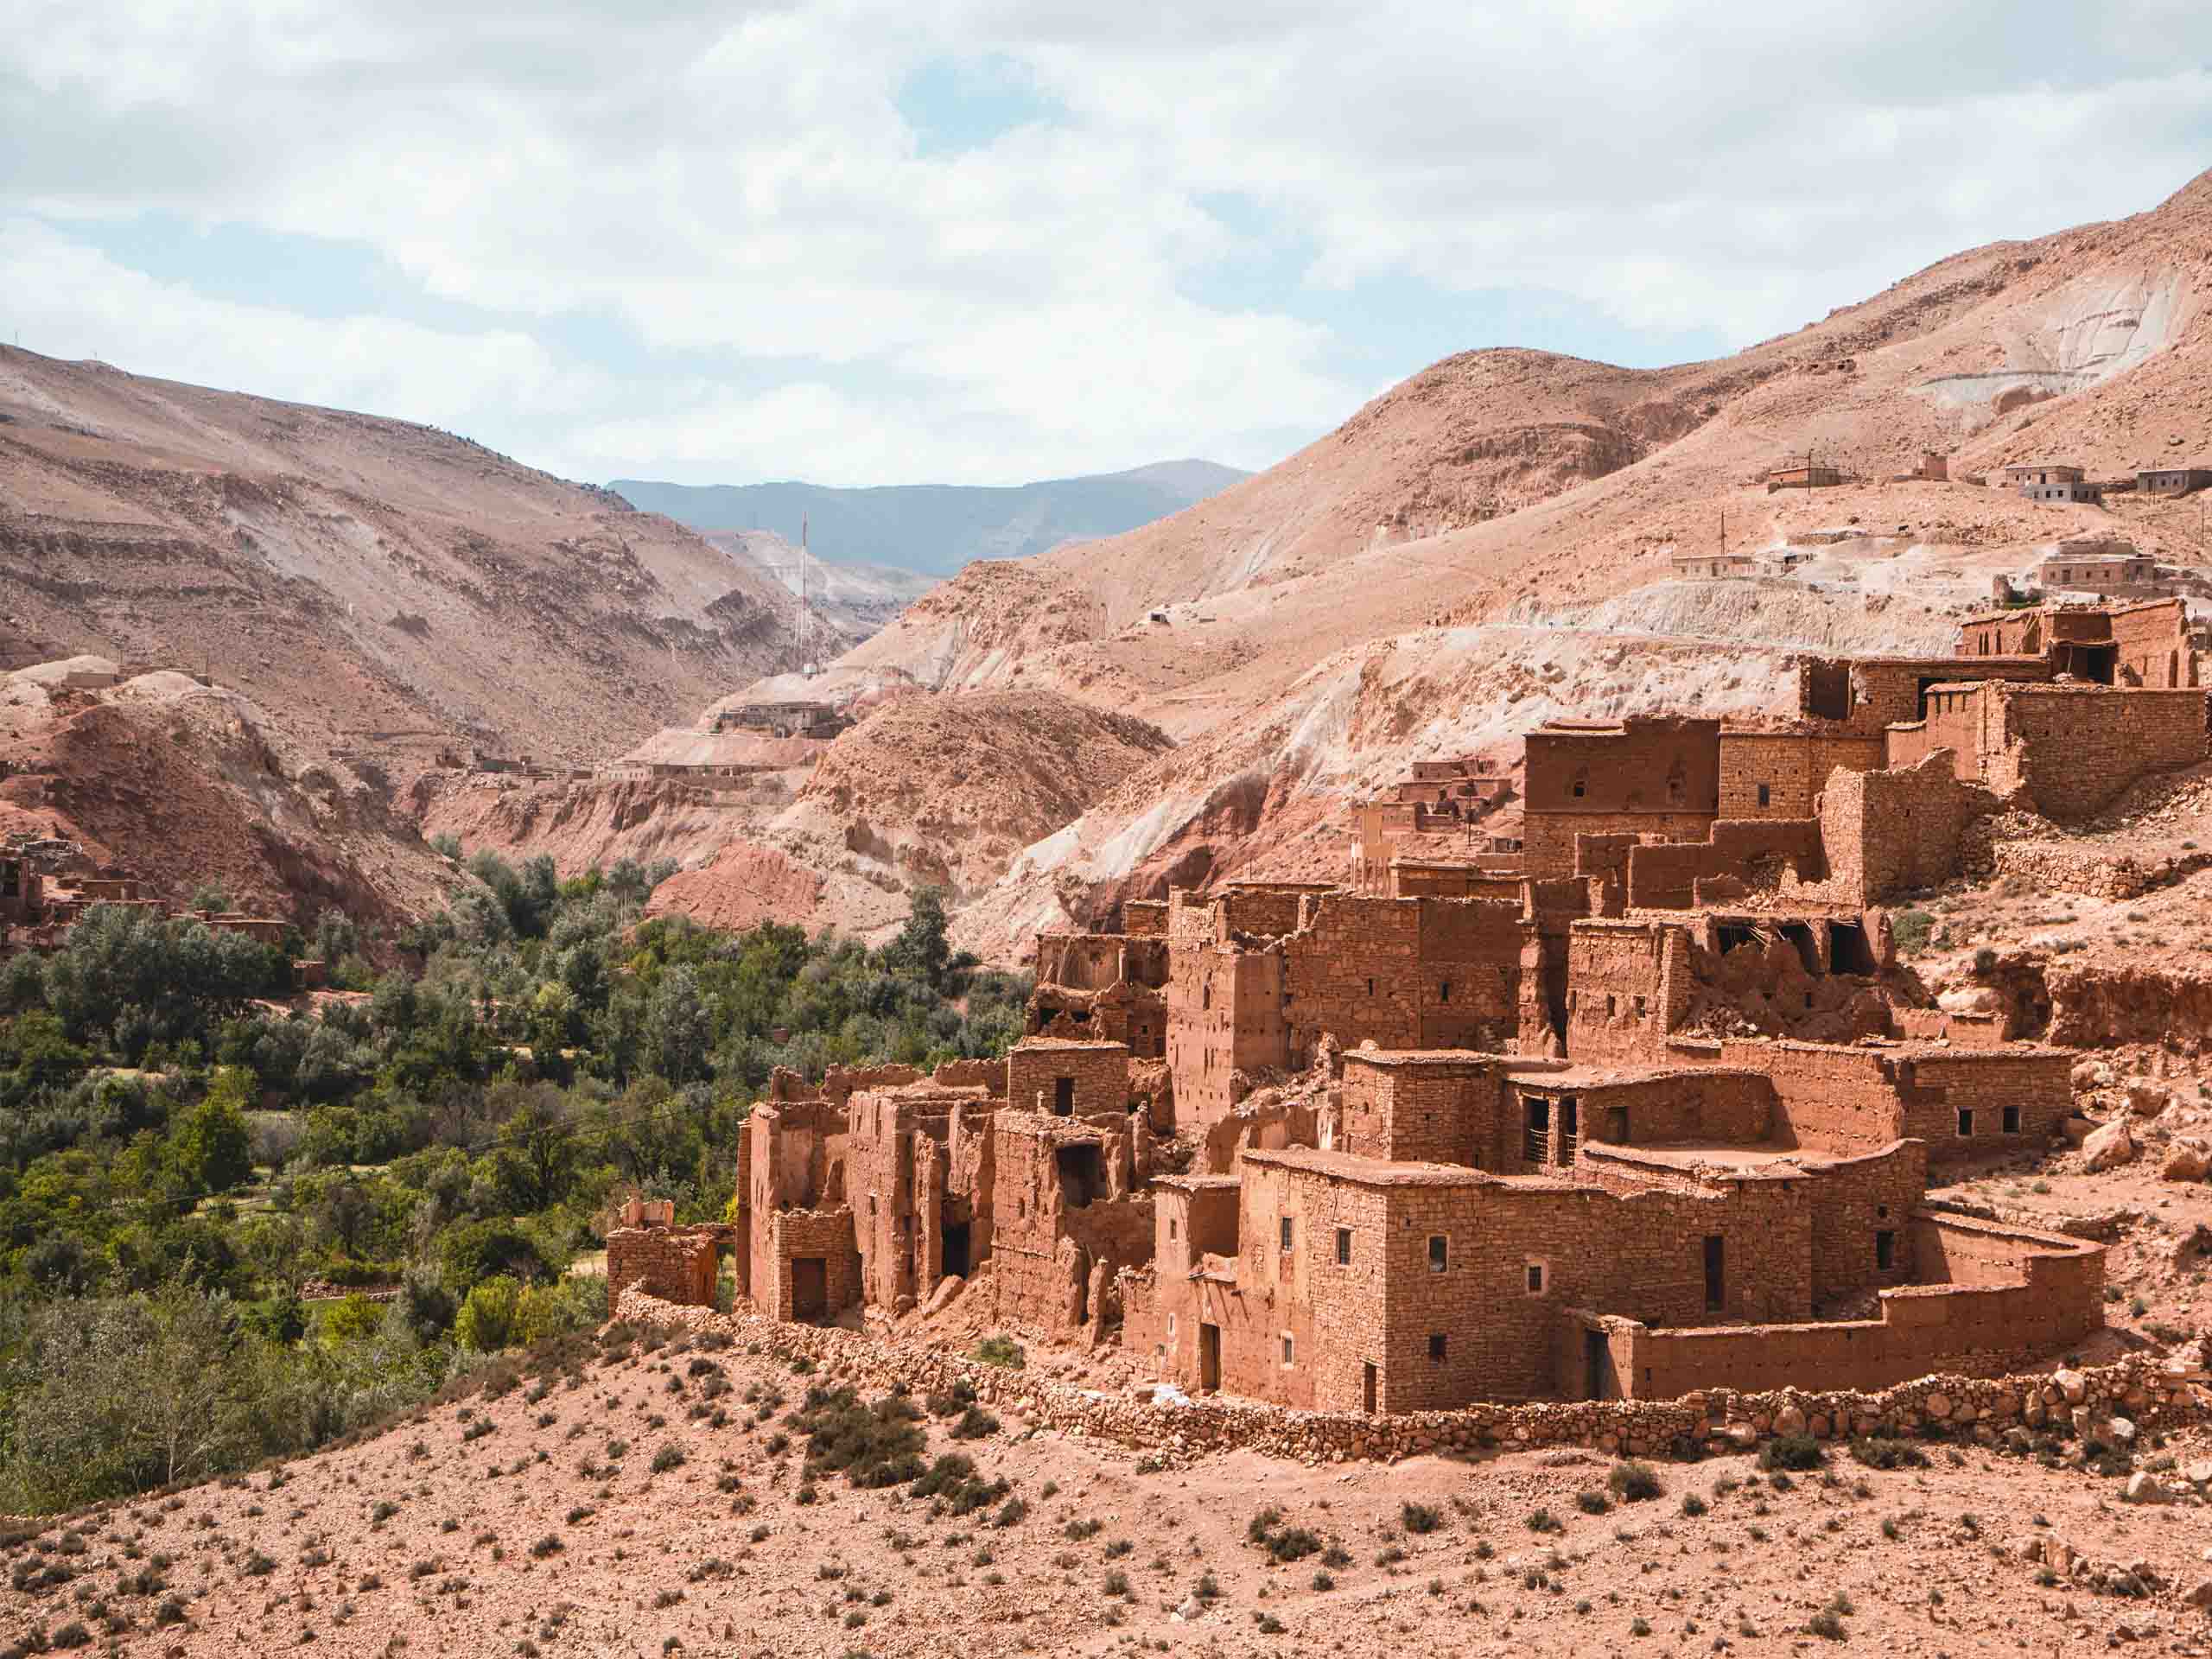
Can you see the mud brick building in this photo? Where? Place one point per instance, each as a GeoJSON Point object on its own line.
{"type": "Point", "coordinates": [1434, 812]}
{"type": "Point", "coordinates": [1111, 987]}
{"type": "Point", "coordinates": [1643, 1105]}
{"type": "Point", "coordinates": [1261, 973]}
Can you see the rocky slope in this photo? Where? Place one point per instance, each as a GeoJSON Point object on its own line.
{"type": "Point", "coordinates": [651, 1502]}
{"type": "Point", "coordinates": [362, 579]}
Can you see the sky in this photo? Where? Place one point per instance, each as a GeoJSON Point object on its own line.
{"type": "Point", "coordinates": [985, 241]}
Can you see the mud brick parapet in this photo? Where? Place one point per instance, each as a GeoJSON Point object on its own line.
{"type": "Point", "coordinates": [1177, 1431]}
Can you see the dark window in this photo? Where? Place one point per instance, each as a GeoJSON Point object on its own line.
{"type": "Point", "coordinates": [1966, 1121]}
{"type": "Point", "coordinates": [1715, 1273]}
{"type": "Point", "coordinates": [1343, 1247]}
{"type": "Point", "coordinates": [1436, 1345]}
{"type": "Point", "coordinates": [1063, 1096]}
{"type": "Point", "coordinates": [1370, 987]}
{"type": "Point", "coordinates": [1438, 1252]}
{"type": "Point", "coordinates": [1578, 789]}
{"type": "Point", "coordinates": [1766, 796]}
{"type": "Point", "coordinates": [1444, 991]}
{"type": "Point", "coordinates": [1536, 1278]}
{"type": "Point", "coordinates": [1885, 1250]}
{"type": "Point", "coordinates": [2011, 1120]}
{"type": "Point", "coordinates": [1286, 1232]}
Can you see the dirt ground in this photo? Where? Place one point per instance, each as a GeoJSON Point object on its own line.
{"type": "Point", "coordinates": [570, 1526]}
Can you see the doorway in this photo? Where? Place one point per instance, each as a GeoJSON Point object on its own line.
{"type": "Point", "coordinates": [956, 1249]}
{"type": "Point", "coordinates": [810, 1286]}
{"type": "Point", "coordinates": [1209, 1357]}
{"type": "Point", "coordinates": [1594, 1357]}
{"type": "Point", "coordinates": [1715, 1273]}
{"type": "Point", "coordinates": [1367, 1385]}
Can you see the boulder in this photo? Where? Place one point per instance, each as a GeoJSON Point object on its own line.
{"type": "Point", "coordinates": [2072, 1384]}
{"type": "Point", "coordinates": [2076, 1129]}
{"type": "Point", "coordinates": [2110, 1145]}
{"type": "Point", "coordinates": [2146, 1099]}
{"type": "Point", "coordinates": [2188, 1160]}
{"type": "Point", "coordinates": [2199, 1594]}
{"type": "Point", "coordinates": [2143, 1488]}
{"type": "Point", "coordinates": [2092, 1074]}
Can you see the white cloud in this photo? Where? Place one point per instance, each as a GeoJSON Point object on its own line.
{"type": "Point", "coordinates": [814, 291]}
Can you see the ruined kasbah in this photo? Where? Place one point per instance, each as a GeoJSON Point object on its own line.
{"type": "Point", "coordinates": [1636, 1104]}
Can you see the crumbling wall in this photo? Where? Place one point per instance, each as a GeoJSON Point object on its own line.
{"type": "Point", "coordinates": [1757, 852]}
{"type": "Point", "coordinates": [791, 1240]}
{"type": "Point", "coordinates": [2152, 646]}
{"type": "Point", "coordinates": [676, 1266]}
{"type": "Point", "coordinates": [1628, 987]}
{"type": "Point", "coordinates": [1892, 831]}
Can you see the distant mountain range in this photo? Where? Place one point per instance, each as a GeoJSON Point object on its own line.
{"type": "Point", "coordinates": [936, 528]}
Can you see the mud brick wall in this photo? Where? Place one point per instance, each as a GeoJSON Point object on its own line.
{"type": "Point", "coordinates": [1725, 1107]}
{"type": "Point", "coordinates": [1940, 1085]}
{"type": "Point", "coordinates": [794, 1158]}
{"type": "Point", "coordinates": [1629, 985]}
{"type": "Point", "coordinates": [1548, 838]}
{"type": "Point", "coordinates": [1854, 1202]}
{"type": "Point", "coordinates": [1864, 697]}
{"type": "Point", "coordinates": [1794, 766]}
{"type": "Point", "coordinates": [1969, 1330]}
{"type": "Point", "coordinates": [1431, 1109]}
{"type": "Point", "coordinates": [1261, 912]}
{"type": "Point", "coordinates": [1470, 971]}
{"type": "Point", "coordinates": [1099, 1074]}
{"type": "Point", "coordinates": [677, 1267]}
{"type": "Point", "coordinates": [791, 1235]}
{"type": "Point", "coordinates": [1827, 1098]}
{"type": "Point", "coordinates": [1224, 1018]}
{"type": "Point", "coordinates": [2154, 646]}
{"type": "Point", "coordinates": [1668, 764]}
{"type": "Point", "coordinates": [1355, 972]}
{"type": "Point", "coordinates": [1144, 917]}
{"type": "Point", "coordinates": [1891, 831]}
{"type": "Point", "coordinates": [1664, 876]}
{"type": "Point", "coordinates": [2078, 750]}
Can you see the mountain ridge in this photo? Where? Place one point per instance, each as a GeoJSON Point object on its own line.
{"type": "Point", "coordinates": [934, 529]}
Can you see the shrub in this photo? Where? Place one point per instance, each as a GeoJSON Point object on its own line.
{"type": "Point", "coordinates": [975, 1423]}
{"type": "Point", "coordinates": [1882, 1452]}
{"type": "Point", "coordinates": [1420, 1517]}
{"type": "Point", "coordinates": [874, 1446]}
{"type": "Point", "coordinates": [1693, 1505]}
{"type": "Point", "coordinates": [1544, 1521]}
{"type": "Point", "coordinates": [548, 1545]}
{"type": "Point", "coordinates": [669, 1457]}
{"type": "Point", "coordinates": [1799, 1451]}
{"type": "Point", "coordinates": [1633, 1482]}
{"type": "Point", "coordinates": [1001, 1350]}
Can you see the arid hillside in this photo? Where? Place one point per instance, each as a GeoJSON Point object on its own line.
{"type": "Point", "coordinates": [192, 785]}
{"type": "Point", "coordinates": [660, 1496]}
{"type": "Point", "coordinates": [364, 580]}
{"type": "Point", "coordinates": [1488, 544]}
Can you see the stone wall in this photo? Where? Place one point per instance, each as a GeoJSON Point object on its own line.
{"type": "Point", "coordinates": [1791, 767]}
{"type": "Point", "coordinates": [1629, 986]}
{"type": "Point", "coordinates": [1061, 1078]}
{"type": "Point", "coordinates": [1757, 852]}
{"type": "Point", "coordinates": [676, 1266]}
{"type": "Point", "coordinates": [792, 1240]}
{"type": "Point", "coordinates": [1177, 1431]}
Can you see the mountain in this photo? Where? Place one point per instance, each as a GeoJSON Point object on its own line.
{"type": "Point", "coordinates": [352, 574]}
{"type": "Point", "coordinates": [279, 612]}
{"type": "Point", "coordinates": [851, 600]}
{"type": "Point", "coordinates": [936, 528]}
{"type": "Point", "coordinates": [1488, 544]}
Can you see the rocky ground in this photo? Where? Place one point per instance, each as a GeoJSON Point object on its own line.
{"type": "Point", "coordinates": [656, 1501]}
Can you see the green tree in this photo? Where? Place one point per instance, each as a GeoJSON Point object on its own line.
{"type": "Point", "coordinates": [210, 1145]}
{"type": "Point", "coordinates": [485, 1322]}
